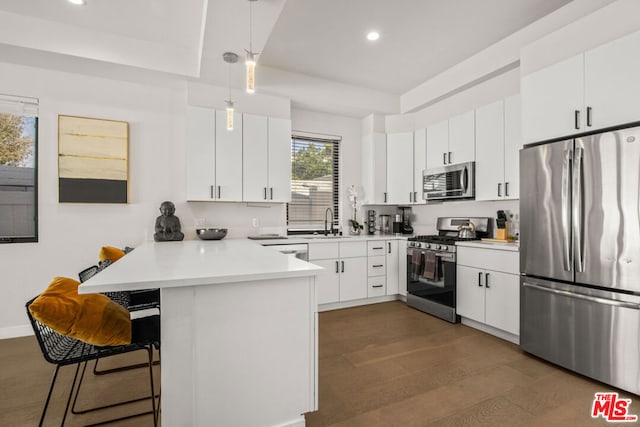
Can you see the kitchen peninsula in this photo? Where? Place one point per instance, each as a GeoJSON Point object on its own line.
{"type": "Point", "coordinates": [238, 330]}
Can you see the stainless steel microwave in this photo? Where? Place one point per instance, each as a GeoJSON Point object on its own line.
{"type": "Point", "coordinates": [450, 182]}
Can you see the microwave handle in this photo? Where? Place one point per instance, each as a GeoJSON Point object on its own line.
{"type": "Point", "coordinates": [464, 180]}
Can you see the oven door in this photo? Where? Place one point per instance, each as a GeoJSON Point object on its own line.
{"type": "Point", "coordinates": [431, 275]}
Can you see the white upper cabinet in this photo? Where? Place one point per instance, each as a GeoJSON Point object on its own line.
{"type": "Point", "coordinates": [419, 163]}
{"type": "Point", "coordinates": [612, 87]}
{"type": "Point", "coordinates": [437, 144]}
{"type": "Point", "coordinates": [498, 142]}
{"type": "Point", "coordinates": [400, 168]}
{"type": "Point", "coordinates": [552, 100]}
{"type": "Point", "coordinates": [279, 160]}
{"type": "Point", "coordinates": [490, 151]}
{"type": "Point", "coordinates": [462, 138]}
{"type": "Point", "coordinates": [228, 186]}
{"type": "Point", "coordinates": [512, 146]}
{"type": "Point", "coordinates": [201, 125]}
{"type": "Point", "coordinates": [587, 92]}
{"type": "Point", "coordinates": [266, 159]}
{"type": "Point", "coordinates": [374, 168]}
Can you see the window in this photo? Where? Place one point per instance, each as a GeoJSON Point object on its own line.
{"type": "Point", "coordinates": [314, 183]}
{"type": "Point", "coordinates": [18, 169]}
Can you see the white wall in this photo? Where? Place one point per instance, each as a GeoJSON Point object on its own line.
{"type": "Point", "coordinates": [70, 235]}
{"type": "Point", "coordinates": [350, 154]}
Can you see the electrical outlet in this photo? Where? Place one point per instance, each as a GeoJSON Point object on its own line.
{"type": "Point", "coordinates": [255, 222]}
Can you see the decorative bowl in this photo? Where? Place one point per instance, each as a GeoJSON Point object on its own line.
{"type": "Point", "coordinates": [211, 233]}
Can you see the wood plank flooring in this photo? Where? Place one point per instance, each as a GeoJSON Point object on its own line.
{"type": "Point", "coordinates": [390, 365]}
{"type": "Point", "coordinates": [380, 365]}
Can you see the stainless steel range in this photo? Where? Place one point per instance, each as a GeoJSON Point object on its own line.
{"type": "Point", "coordinates": [431, 266]}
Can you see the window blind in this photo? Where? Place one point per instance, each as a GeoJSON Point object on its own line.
{"type": "Point", "coordinates": [314, 184]}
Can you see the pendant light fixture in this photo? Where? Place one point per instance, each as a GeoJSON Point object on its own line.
{"type": "Point", "coordinates": [229, 58]}
{"type": "Point", "coordinates": [250, 60]}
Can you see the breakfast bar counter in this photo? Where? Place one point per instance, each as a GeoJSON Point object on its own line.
{"type": "Point", "coordinates": [238, 330]}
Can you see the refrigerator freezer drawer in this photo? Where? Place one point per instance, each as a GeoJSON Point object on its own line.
{"type": "Point", "coordinates": [595, 333]}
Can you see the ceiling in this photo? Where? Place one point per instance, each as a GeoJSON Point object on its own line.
{"type": "Point", "coordinates": [321, 39]}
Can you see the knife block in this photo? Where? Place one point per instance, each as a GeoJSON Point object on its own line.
{"type": "Point", "coordinates": [503, 233]}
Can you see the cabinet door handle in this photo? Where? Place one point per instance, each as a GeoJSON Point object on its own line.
{"type": "Point", "coordinates": [265, 193]}
{"type": "Point", "coordinates": [415, 197]}
{"type": "Point", "coordinates": [499, 189]}
{"type": "Point", "coordinates": [449, 157]}
{"type": "Point", "coordinates": [271, 193]}
{"type": "Point", "coordinates": [576, 118]}
{"type": "Point", "coordinates": [480, 279]}
{"type": "Point", "coordinates": [378, 265]}
{"type": "Point", "coordinates": [589, 116]}
{"type": "Point", "coordinates": [377, 286]}
{"type": "Point", "coordinates": [385, 197]}
{"type": "Point", "coordinates": [337, 267]}
{"type": "Point", "coordinates": [389, 243]}
{"type": "Point", "coordinates": [444, 158]}
{"type": "Point", "coordinates": [342, 266]}
{"type": "Point", "coordinates": [377, 247]}
{"type": "Point", "coordinates": [219, 191]}
{"type": "Point", "coordinates": [410, 196]}
{"type": "Point", "coordinates": [506, 189]}
{"type": "Point", "coordinates": [486, 280]}
{"type": "Point", "coordinates": [211, 191]}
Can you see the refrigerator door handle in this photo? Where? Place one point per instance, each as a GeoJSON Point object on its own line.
{"type": "Point", "coordinates": [567, 252]}
{"type": "Point", "coordinates": [578, 209]}
{"type": "Point", "coordinates": [600, 300]}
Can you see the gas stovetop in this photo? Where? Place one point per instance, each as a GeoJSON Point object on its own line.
{"type": "Point", "coordinates": [446, 240]}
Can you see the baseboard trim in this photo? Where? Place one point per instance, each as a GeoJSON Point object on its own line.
{"type": "Point", "coordinates": [358, 302]}
{"type": "Point", "coordinates": [298, 422]}
{"type": "Point", "coordinates": [507, 336]}
{"type": "Point", "coordinates": [15, 332]}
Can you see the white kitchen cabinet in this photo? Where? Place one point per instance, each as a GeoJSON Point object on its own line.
{"type": "Point", "coordinates": [392, 267]}
{"type": "Point", "coordinates": [498, 142]}
{"type": "Point", "coordinates": [384, 266]}
{"type": "Point", "coordinates": [462, 138]}
{"type": "Point", "coordinates": [345, 274]}
{"type": "Point", "coordinates": [437, 144]}
{"type": "Point", "coordinates": [266, 159]}
{"type": "Point", "coordinates": [374, 168]}
{"type": "Point", "coordinates": [402, 268]}
{"type": "Point", "coordinates": [593, 90]}
{"type": "Point", "coordinates": [419, 163]}
{"type": "Point", "coordinates": [400, 168]}
{"type": "Point", "coordinates": [488, 287]}
{"type": "Point", "coordinates": [214, 156]}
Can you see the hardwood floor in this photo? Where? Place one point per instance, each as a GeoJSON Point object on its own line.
{"type": "Point", "coordinates": [380, 365]}
{"type": "Point", "coordinates": [389, 365]}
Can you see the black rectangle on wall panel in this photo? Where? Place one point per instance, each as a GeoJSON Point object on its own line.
{"type": "Point", "coordinates": [79, 190]}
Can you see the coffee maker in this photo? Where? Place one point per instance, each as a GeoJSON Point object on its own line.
{"type": "Point", "coordinates": [371, 221]}
{"type": "Point", "coordinates": [405, 227]}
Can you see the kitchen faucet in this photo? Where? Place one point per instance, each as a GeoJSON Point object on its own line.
{"type": "Point", "coordinates": [326, 230]}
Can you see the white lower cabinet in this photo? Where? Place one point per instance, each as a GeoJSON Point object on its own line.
{"type": "Point", "coordinates": [488, 287]}
{"type": "Point", "coordinates": [344, 277]}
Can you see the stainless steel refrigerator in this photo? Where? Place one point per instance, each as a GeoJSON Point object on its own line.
{"type": "Point", "coordinates": [580, 255]}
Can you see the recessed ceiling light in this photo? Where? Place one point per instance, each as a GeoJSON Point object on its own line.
{"type": "Point", "coordinates": [373, 35]}
{"type": "Point", "coordinates": [77, 2]}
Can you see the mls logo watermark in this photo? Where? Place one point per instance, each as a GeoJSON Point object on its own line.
{"type": "Point", "coordinates": [612, 409]}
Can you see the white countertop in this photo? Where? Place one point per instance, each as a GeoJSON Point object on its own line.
{"type": "Point", "coordinates": [196, 262]}
{"type": "Point", "coordinates": [511, 246]}
{"type": "Point", "coordinates": [297, 239]}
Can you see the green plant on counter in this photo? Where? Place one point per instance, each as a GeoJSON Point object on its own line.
{"type": "Point", "coordinates": [355, 225]}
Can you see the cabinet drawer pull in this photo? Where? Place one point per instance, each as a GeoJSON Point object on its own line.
{"type": "Point", "coordinates": [378, 247]}
{"type": "Point", "coordinates": [337, 267]}
{"type": "Point", "coordinates": [378, 265]}
{"type": "Point", "coordinates": [589, 116]}
{"type": "Point", "coordinates": [486, 280]}
{"type": "Point", "coordinates": [576, 118]}
{"type": "Point", "coordinates": [377, 286]}
{"type": "Point", "coordinates": [480, 279]}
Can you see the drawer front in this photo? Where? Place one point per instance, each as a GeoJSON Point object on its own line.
{"type": "Point", "coordinates": [353, 249]}
{"type": "Point", "coordinates": [377, 287]}
{"type": "Point", "coordinates": [323, 250]}
{"type": "Point", "coordinates": [376, 248]}
{"type": "Point", "coordinates": [490, 259]}
{"type": "Point", "coordinates": [377, 266]}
